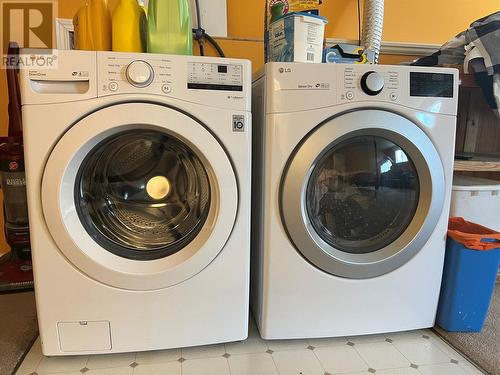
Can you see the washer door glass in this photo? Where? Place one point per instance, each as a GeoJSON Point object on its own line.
{"type": "Point", "coordinates": [142, 194]}
{"type": "Point", "coordinates": [362, 194]}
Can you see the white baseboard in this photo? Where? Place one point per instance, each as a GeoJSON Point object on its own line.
{"type": "Point", "coordinates": [388, 48]}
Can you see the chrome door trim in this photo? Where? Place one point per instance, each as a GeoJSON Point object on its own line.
{"type": "Point", "coordinates": [76, 244]}
{"type": "Point", "coordinates": [425, 157]}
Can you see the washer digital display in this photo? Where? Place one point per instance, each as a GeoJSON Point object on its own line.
{"type": "Point", "coordinates": [209, 76]}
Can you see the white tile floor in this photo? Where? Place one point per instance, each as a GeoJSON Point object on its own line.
{"type": "Point", "coordinates": [406, 353]}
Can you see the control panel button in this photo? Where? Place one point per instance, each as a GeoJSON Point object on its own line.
{"type": "Point", "coordinates": [372, 83]}
{"type": "Point", "coordinates": [140, 73]}
{"type": "Point", "coordinates": [167, 89]}
{"type": "Point", "coordinates": [349, 95]}
{"type": "Point", "coordinates": [113, 86]}
{"type": "Point", "coordinates": [393, 96]}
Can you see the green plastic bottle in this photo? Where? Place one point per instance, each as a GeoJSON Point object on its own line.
{"type": "Point", "coordinates": [169, 27]}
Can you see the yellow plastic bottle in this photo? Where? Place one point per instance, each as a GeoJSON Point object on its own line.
{"type": "Point", "coordinates": [129, 27]}
{"type": "Point", "coordinates": [92, 25]}
{"type": "Point", "coordinates": [80, 33]}
{"type": "Point", "coordinates": [169, 27]}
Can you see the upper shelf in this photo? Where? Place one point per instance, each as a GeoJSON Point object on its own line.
{"type": "Point", "coordinates": [478, 163]}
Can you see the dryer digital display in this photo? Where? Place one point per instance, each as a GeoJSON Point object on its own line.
{"type": "Point", "coordinates": [209, 76]}
{"type": "Point", "coordinates": [437, 85]}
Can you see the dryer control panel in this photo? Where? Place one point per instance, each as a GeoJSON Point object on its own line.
{"type": "Point", "coordinates": [359, 83]}
{"type": "Point", "coordinates": [300, 86]}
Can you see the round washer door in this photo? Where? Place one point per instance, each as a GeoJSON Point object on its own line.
{"type": "Point", "coordinates": [132, 196]}
{"type": "Point", "coordinates": [362, 193]}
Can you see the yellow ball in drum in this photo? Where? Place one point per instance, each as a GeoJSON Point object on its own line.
{"type": "Point", "coordinates": [158, 187]}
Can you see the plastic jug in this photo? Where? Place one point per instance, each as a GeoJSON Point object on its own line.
{"type": "Point", "coordinates": [80, 29]}
{"type": "Point", "coordinates": [169, 27]}
{"type": "Point", "coordinates": [129, 27]}
{"type": "Point", "coordinates": [92, 26]}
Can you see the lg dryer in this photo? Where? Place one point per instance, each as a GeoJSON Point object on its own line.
{"type": "Point", "coordinates": [352, 182]}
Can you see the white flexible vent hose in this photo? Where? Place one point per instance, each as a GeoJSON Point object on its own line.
{"type": "Point", "coordinates": [373, 23]}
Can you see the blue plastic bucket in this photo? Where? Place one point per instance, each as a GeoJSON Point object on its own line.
{"type": "Point", "coordinates": [468, 282]}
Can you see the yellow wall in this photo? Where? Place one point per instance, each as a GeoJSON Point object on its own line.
{"type": "Point", "coordinates": [417, 21]}
{"type": "Point", "coordinates": [425, 21]}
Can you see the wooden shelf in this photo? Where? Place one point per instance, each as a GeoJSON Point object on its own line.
{"type": "Point", "coordinates": [478, 163]}
{"type": "Point", "coordinates": [466, 80]}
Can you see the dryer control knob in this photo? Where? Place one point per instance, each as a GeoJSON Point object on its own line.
{"type": "Point", "coordinates": [140, 73]}
{"type": "Point", "coordinates": [372, 83]}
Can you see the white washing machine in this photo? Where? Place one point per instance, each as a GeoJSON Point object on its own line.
{"type": "Point", "coordinates": [352, 182]}
{"type": "Point", "coordinates": [139, 200]}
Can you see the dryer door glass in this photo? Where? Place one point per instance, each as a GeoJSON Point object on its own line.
{"type": "Point", "coordinates": [362, 194]}
{"type": "Point", "coordinates": [142, 194]}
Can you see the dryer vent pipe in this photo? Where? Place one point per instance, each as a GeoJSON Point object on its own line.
{"type": "Point", "coordinates": [373, 23]}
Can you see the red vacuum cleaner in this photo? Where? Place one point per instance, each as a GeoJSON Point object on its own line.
{"type": "Point", "coordinates": [12, 177]}
{"type": "Point", "coordinates": [16, 273]}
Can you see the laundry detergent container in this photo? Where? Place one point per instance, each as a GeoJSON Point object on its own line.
{"type": "Point", "coordinates": [476, 200]}
{"type": "Point", "coordinates": [471, 266]}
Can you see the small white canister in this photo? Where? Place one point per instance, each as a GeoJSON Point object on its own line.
{"type": "Point", "coordinates": [297, 37]}
{"type": "Point", "coordinates": [476, 200]}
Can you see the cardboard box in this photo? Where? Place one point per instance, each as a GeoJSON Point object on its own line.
{"type": "Point", "coordinates": [277, 8]}
{"type": "Point", "coordinates": [297, 37]}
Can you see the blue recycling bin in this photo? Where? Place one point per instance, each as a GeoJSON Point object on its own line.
{"type": "Point", "coordinates": [468, 282]}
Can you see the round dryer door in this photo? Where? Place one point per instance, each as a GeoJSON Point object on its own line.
{"type": "Point", "coordinates": [368, 200]}
{"type": "Point", "coordinates": [132, 196]}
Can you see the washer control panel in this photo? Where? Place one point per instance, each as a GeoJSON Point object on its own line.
{"type": "Point", "coordinates": [160, 74]}
{"type": "Point", "coordinates": [210, 81]}
{"type": "Point", "coordinates": [121, 73]}
{"type": "Point", "coordinates": [214, 76]}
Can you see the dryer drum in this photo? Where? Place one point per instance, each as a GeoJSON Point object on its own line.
{"type": "Point", "coordinates": [362, 194]}
{"type": "Point", "coordinates": [142, 194]}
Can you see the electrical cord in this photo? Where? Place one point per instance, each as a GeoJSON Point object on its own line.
{"type": "Point", "coordinates": [199, 31]}
{"type": "Point", "coordinates": [216, 45]}
{"type": "Point", "coordinates": [200, 35]}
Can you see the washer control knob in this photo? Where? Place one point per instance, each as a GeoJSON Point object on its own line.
{"type": "Point", "coordinates": [372, 83]}
{"type": "Point", "coordinates": [140, 73]}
